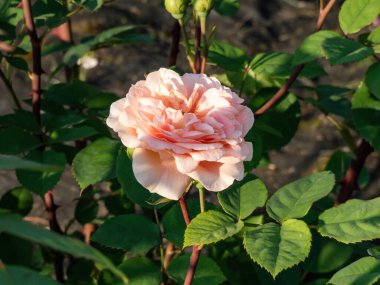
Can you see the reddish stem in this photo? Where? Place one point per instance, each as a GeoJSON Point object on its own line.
{"type": "Point", "coordinates": [349, 183]}
{"type": "Point", "coordinates": [197, 59]}
{"type": "Point", "coordinates": [184, 210]}
{"type": "Point", "coordinates": [284, 89]}
{"type": "Point", "coordinates": [176, 32]}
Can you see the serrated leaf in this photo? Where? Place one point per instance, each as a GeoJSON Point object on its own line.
{"type": "Point", "coordinates": [96, 162]}
{"type": "Point", "coordinates": [18, 200]}
{"type": "Point", "coordinates": [141, 271]}
{"type": "Point", "coordinates": [17, 227]}
{"type": "Point", "coordinates": [209, 227]}
{"type": "Point", "coordinates": [366, 115]}
{"type": "Point", "coordinates": [339, 50]}
{"type": "Point", "coordinates": [372, 79]}
{"type": "Point", "coordinates": [207, 271]}
{"type": "Point", "coordinates": [242, 198]}
{"type": "Point", "coordinates": [352, 222]}
{"type": "Point", "coordinates": [278, 247]}
{"type": "Point", "coordinates": [355, 15]}
{"type": "Point", "coordinates": [132, 233]}
{"type": "Point", "coordinates": [41, 182]}
{"type": "Point", "coordinates": [17, 275]}
{"type": "Point", "coordinates": [365, 271]}
{"type": "Point", "coordinates": [294, 200]}
{"type": "Point", "coordinates": [311, 47]}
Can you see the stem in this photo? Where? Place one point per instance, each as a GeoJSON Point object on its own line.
{"type": "Point", "coordinates": [205, 43]}
{"type": "Point", "coordinates": [176, 32]}
{"type": "Point", "coordinates": [184, 210]}
{"type": "Point", "coordinates": [197, 60]}
{"type": "Point", "coordinates": [162, 255]}
{"type": "Point", "coordinates": [186, 42]}
{"type": "Point", "coordinates": [282, 91]}
{"type": "Point", "coordinates": [10, 89]}
{"type": "Point", "coordinates": [349, 182]}
{"type": "Point", "coordinates": [202, 199]}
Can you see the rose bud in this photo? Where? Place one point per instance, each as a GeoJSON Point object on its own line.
{"type": "Point", "coordinates": [203, 7]}
{"type": "Point", "coordinates": [176, 8]}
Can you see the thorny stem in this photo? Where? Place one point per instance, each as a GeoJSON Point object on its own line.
{"type": "Point", "coordinates": [36, 105]}
{"type": "Point", "coordinates": [349, 183]}
{"type": "Point", "coordinates": [205, 43]}
{"type": "Point", "coordinates": [186, 43]}
{"type": "Point", "coordinates": [9, 86]}
{"type": "Point", "coordinates": [282, 91]}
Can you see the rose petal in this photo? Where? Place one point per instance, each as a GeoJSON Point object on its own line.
{"type": "Point", "coordinates": [159, 175]}
{"type": "Point", "coordinates": [185, 163]}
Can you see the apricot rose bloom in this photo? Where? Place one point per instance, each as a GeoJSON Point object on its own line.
{"type": "Point", "coordinates": [182, 128]}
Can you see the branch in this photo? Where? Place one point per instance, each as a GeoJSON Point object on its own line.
{"type": "Point", "coordinates": [197, 59]}
{"type": "Point", "coordinates": [282, 91]}
{"type": "Point", "coordinates": [349, 183]}
{"type": "Point", "coordinates": [196, 249]}
{"type": "Point", "coordinates": [176, 31]}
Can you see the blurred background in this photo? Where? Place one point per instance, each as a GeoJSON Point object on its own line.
{"type": "Point", "coordinates": [259, 25]}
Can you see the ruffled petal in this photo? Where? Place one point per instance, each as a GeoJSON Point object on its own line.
{"type": "Point", "coordinates": [215, 176]}
{"type": "Point", "coordinates": [185, 163]}
{"type": "Point", "coordinates": [159, 174]}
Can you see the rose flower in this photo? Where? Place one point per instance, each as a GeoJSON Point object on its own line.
{"type": "Point", "coordinates": [182, 128]}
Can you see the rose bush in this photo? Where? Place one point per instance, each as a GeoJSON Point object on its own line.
{"type": "Point", "coordinates": [183, 127]}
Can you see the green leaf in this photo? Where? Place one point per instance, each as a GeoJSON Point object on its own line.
{"type": "Point", "coordinates": [96, 162]}
{"type": "Point", "coordinates": [12, 162]}
{"type": "Point", "coordinates": [17, 62]}
{"type": "Point", "coordinates": [275, 64]}
{"type": "Point", "coordinates": [374, 39]}
{"type": "Point", "coordinates": [132, 233]}
{"type": "Point", "coordinates": [71, 134]}
{"type": "Point", "coordinates": [332, 99]}
{"type": "Point", "coordinates": [365, 271]}
{"type": "Point", "coordinates": [207, 270]}
{"type": "Point", "coordinates": [372, 79]}
{"type": "Point", "coordinates": [18, 275]}
{"type": "Point", "coordinates": [56, 122]}
{"type": "Point", "coordinates": [311, 48]}
{"type": "Point", "coordinates": [131, 188]}
{"type": "Point", "coordinates": [339, 50]}
{"type": "Point", "coordinates": [355, 15]}
{"type": "Point", "coordinates": [41, 182]}
{"type": "Point", "coordinates": [20, 119]}
{"type": "Point", "coordinates": [18, 200]}
{"type": "Point", "coordinates": [16, 251]}
{"type": "Point", "coordinates": [16, 140]}
{"type": "Point", "coordinates": [366, 115]}
{"type": "Point", "coordinates": [294, 200]}
{"type": "Point", "coordinates": [209, 227]}
{"type": "Point", "coordinates": [227, 7]}
{"type": "Point", "coordinates": [226, 56]}
{"type": "Point", "coordinates": [141, 271]}
{"type": "Point", "coordinates": [351, 222]}
{"type": "Point", "coordinates": [4, 6]}
{"type": "Point", "coordinates": [15, 226]}
{"type": "Point", "coordinates": [91, 5]}
{"type": "Point", "coordinates": [86, 210]}
{"type": "Point", "coordinates": [278, 247]}
{"type": "Point", "coordinates": [242, 198]}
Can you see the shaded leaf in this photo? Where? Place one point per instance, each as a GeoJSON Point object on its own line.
{"type": "Point", "coordinates": [18, 200]}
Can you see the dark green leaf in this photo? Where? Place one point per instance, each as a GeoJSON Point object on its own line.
{"type": "Point", "coordinates": [86, 210]}
{"type": "Point", "coordinates": [141, 271]}
{"type": "Point", "coordinates": [17, 62]}
{"type": "Point", "coordinates": [18, 200]}
{"type": "Point", "coordinates": [207, 271]}
{"type": "Point", "coordinates": [20, 119]}
{"type": "Point", "coordinates": [96, 162]}
{"type": "Point", "coordinates": [372, 79]}
{"type": "Point", "coordinates": [41, 182]}
{"type": "Point", "coordinates": [14, 250]}
{"type": "Point", "coordinates": [227, 7]}
{"type": "Point", "coordinates": [13, 162]}
{"type": "Point", "coordinates": [17, 275]}
{"type": "Point", "coordinates": [132, 233]}
{"type": "Point", "coordinates": [226, 56]}
{"type": "Point", "coordinates": [16, 140]}
{"type": "Point", "coordinates": [71, 134]}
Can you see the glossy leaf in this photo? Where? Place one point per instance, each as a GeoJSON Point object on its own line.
{"type": "Point", "coordinates": [242, 198]}
{"type": "Point", "coordinates": [207, 271]}
{"type": "Point", "coordinates": [209, 227]}
{"type": "Point", "coordinates": [365, 271]}
{"type": "Point", "coordinates": [294, 200]}
{"type": "Point", "coordinates": [355, 15]}
{"type": "Point", "coordinates": [132, 233]}
{"type": "Point", "coordinates": [351, 222]}
{"type": "Point", "coordinates": [278, 247]}
{"type": "Point", "coordinates": [96, 162]}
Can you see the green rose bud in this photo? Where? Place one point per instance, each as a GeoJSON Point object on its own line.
{"type": "Point", "coordinates": [176, 7]}
{"type": "Point", "coordinates": [203, 7]}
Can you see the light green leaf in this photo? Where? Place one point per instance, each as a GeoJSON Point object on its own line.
{"type": "Point", "coordinates": [207, 271]}
{"type": "Point", "coordinates": [41, 182]}
{"type": "Point", "coordinates": [356, 14]}
{"type": "Point", "coordinates": [340, 50]}
{"type": "Point", "coordinates": [18, 275]}
{"type": "Point", "coordinates": [294, 200]}
{"type": "Point", "coordinates": [365, 271]}
{"type": "Point", "coordinates": [311, 47]}
{"type": "Point", "coordinates": [372, 79]}
{"type": "Point", "coordinates": [96, 162]}
{"type": "Point", "coordinates": [374, 39]}
{"type": "Point", "coordinates": [242, 198]}
{"type": "Point", "coordinates": [132, 233]}
{"type": "Point", "coordinates": [351, 222]}
{"type": "Point", "coordinates": [15, 226]}
{"type": "Point", "coordinates": [18, 200]}
{"type": "Point", "coordinates": [366, 115]}
{"type": "Point", "coordinates": [209, 227]}
{"type": "Point", "coordinates": [12, 162]}
{"type": "Point", "coordinates": [278, 247]}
